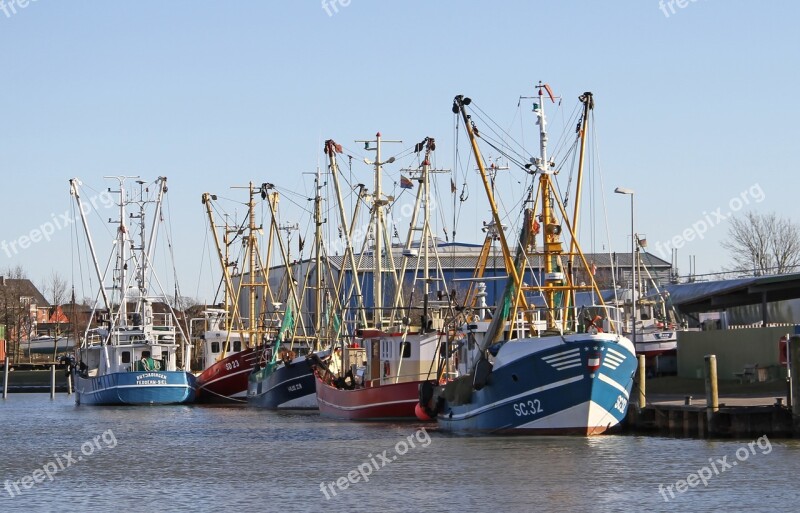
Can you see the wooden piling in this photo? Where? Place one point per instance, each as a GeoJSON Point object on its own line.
{"type": "Point", "coordinates": [794, 344]}
{"type": "Point", "coordinates": [641, 381]}
{"type": "Point", "coordinates": [5, 379]}
{"type": "Point", "coordinates": [712, 391]}
{"type": "Point", "coordinates": [52, 382]}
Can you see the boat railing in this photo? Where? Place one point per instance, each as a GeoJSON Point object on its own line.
{"type": "Point", "coordinates": [163, 320]}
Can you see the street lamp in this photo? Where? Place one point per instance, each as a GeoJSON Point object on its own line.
{"type": "Point", "coordinates": [623, 190]}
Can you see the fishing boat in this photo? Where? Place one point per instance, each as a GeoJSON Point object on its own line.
{"type": "Point", "coordinates": [131, 358]}
{"type": "Point", "coordinates": [227, 359]}
{"type": "Point", "coordinates": [650, 320]}
{"type": "Point", "coordinates": [284, 376]}
{"type": "Point", "coordinates": [537, 369]}
{"type": "Point", "coordinates": [282, 379]}
{"type": "Point", "coordinates": [231, 342]}
{"type": "Point", "coordinates": [376, 373]}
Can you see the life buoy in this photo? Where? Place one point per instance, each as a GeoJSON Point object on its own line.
{"type": "Point", "coordinates": [387, 369]}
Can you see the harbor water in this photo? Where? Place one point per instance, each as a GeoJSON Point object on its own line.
{"type": "Point", "coordinates": [58, 456]}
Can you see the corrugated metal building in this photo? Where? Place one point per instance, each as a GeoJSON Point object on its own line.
{"type": "Point", "coordinates": [458, 262]}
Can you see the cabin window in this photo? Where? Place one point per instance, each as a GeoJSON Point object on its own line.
{"type": "Point", "coordinates": [405, 349]}
{"type": "Point", "coordinates": [215, 347]}
{"type": "Point", "coordinates": [237, 346]}
{"type": "Point", "coordinates": [126, 357]}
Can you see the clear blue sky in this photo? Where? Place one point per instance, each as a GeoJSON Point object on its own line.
{"type": "Point", "coordinates": [692, 108]}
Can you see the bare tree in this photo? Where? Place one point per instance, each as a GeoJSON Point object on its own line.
{"type": "Point", "coordinates": [12, 311]}
{"type": "Point", "coordinates": [15, 273]}
{"type": "Point", "coordinates": [56, 287]}
{"type": "Point", "coordinates": [763, 244]}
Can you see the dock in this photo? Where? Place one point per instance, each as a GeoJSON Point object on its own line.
{"type": "Point", "coordinates": [33, 378]}
{"type": "Point", "coordinates": [710, 408]}
{"type": "Point", "coordinates": [736, 417]}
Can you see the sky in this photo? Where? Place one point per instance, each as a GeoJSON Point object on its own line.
{"type": "Point", "coordinates": [695, 106]}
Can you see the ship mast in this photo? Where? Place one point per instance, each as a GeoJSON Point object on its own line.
{"type": "Point", "coordinates": [556, 280]}
{"type": "Point", "coordinates": [121, 250]}
{"type": "Point", "coordinates": [318, 261]}
{"type": "Point", "coordinates": [331, 149]}
{"type": "Point", "coordinates": [426, 239]}
{"type": "Point", "coordinates": [251, 256]}
{"type": "Point", "coordinates": [459, 107]}
{"type": "Point", "coordinates": [551, 234]}
{"type": "Point", "coordinates": [74, 184]}
{"type": "Point", "coordinates": [557, 287]}
{"type": "Point", "coordinates": [587, 99]}
{"type": "Point", "coordinates": [379, 226]}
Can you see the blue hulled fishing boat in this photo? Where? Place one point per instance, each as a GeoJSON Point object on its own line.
{"type": "Point", "coordinates": [541, 365]}
{"type": "Point", "coordinates": [131, 358]}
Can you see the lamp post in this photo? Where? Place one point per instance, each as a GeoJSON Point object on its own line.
{"type": "Point", "coordinates": [623, 190]}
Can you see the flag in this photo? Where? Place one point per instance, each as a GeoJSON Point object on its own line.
{"type": "Point", "coordinates": [287, 324]}
{"type": "Point", "coordinates": [452, 186]}
{"type": "Point", "coordinates": [406, 183]}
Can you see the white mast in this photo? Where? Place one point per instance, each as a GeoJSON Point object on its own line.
{"type": "Point", "coordinates": [331, 148]}
{"type": "Point", "coordinates": [122, 255]}
{"type": "Point", "coordinates": [73, 183]}
{"type": "Point", "coordinates": [378, 203]}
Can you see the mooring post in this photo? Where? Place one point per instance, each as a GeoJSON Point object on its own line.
{"type": "Point", "coordinates": [52, 382]}
{"type": "Point", "coordinates": [69, 381]}
{"type": "Point", "coordinates": [795, 381]}
{"type": "Point", "coordinates": [641, 382]}
{"type": "Point", "coordinates": [712, 392]}
{"type": "Point", "coordinates": [5, 379]}
{"type": "Point", "coordinates": [788, 355]}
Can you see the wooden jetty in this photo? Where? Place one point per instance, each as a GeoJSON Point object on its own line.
{"type": "Point", "coordinates": [735, 416]}
{"type": "Point", "coordinates": [34, 378]}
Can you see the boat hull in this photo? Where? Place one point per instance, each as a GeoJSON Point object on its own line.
{"type": "Point", "coordinates": [226, 380]}
{"type": "Point", "coordinates": [49, 346]}
{"type": "Point", "coordinates": [136, 388]}
{"type": "Point", "coordinates": [383, 402]}
{"type": "Point", "coordinates": [572, 385]}
{"type": "Point", "coordinates": [656, 343]}
{"type": "Point", "coordinates": [286, 387]}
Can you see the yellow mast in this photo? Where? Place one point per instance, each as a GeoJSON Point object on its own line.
{"type": "Point", "coordinates": [557, 287]}
{"type": "Point", "coordinates": [458, 107]}
{"type": "Point", "coordinates": [588, 104]}
{"type": "Point", "coordinates": [252, 323]}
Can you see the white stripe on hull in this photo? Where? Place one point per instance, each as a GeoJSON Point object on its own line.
{"type": "Point", "coordinates": [589, 415]}
{"type": "Point", "coordinates": [365, 406]}
{"type": "Point", "coordinates": [225, 376]}
{"type": "Point", "coordinates": [605, 379]}
{"type": "Point", "coordinates": [283, 383]}
{"type": "Point", "coordinates": [507, 400]}
{"type": "Point", "coordinates": [178, 385]}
